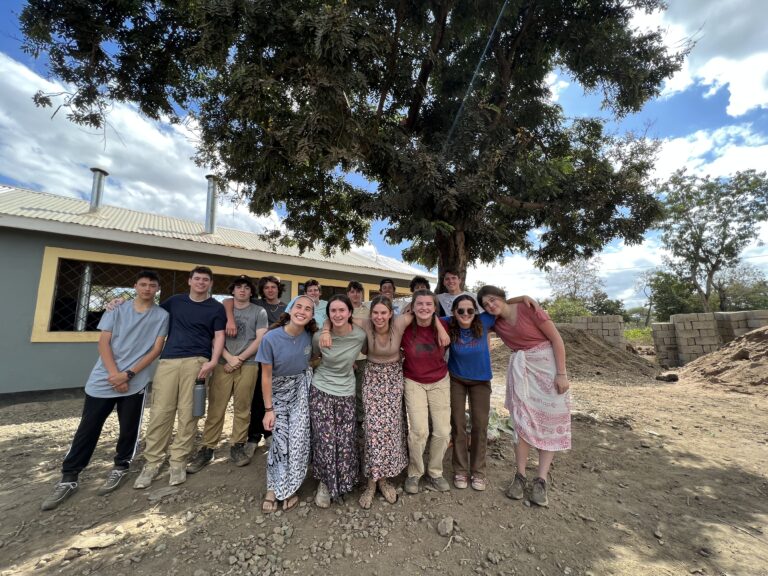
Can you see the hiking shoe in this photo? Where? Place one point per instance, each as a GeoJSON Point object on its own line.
{"type": "Point", "coordinates": [148, 473]}
{"type": "Point", "coordinates": [200, 461]}
{"type": "Point", "coordinates": [115, 479]}
{"type": "Point", "coordinates": [237, 455]}
{"type": "Point", "coordinates": [516, 490]}
{"type": "Point", "coordinates": [539, 495]}
{"type": "Point", "coordinates": [61, 492]}
{"type": "Point", "coordinates": [412, 485]}
{"type": "Point", "coordinates": [460, 481]}
{"type": "Point", "coordinates": [250, 448]}
{"type": "Point", "coordinates": [478, 484]}
{"type": "Point", "coordinates": [438, 484]}
{"type": "Point", "coordinates": [322, 497]}
{"type": "Point", "coordinates": [178, 474]}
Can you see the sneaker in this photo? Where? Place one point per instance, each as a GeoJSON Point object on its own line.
{"type": "Point", "coordinates": [200, 461]}
{"type": "Point", "coordinates": [412, 485]}
{"type": "Point", "coordinates": [148, 473]}
{"type": "Point", "coordinates": [115, 479]}
{"type": "Point", "coordinates": [178, 474]}
{"type": "Point", "coordinates": [61, 492]}
{"type": "Point", "coordinates": [516, 490]}
{"type": "Point", "coordinates": [237, 455]}
{"type": "Point", "coordinates": [539, 495]}
{"type": "Point", "coordinates": [460, 481]}
{"type": "Point", "coordinates": [478, 484]}
{"type": "Point", "coordinates": [250, 448]}
{"type": "Point", "coordinates": [438, 484]}
{"type": "Point", "coordinates": [322, 497]}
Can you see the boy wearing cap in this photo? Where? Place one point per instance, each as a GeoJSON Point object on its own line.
{"type": "Point", "coordinates": [235, 376]}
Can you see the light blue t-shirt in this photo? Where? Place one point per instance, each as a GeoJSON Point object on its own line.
{"type": "Point", "coordinates": [320, 307]}
{"type": "Point", "coordinates": [288, 355]}
{"type": "Point", "coordinates": [133, 336]}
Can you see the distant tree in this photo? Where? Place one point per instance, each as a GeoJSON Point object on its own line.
{"type": "Point", "coordinates": [742, 287]}
{"type": "Point", "coordinates": [562, 309]}
{"type": "Point", "coordinates": [708, 222]}
{"type": "Point", "coordinates": [476, 286]}
{"type": "Point", "coordinates": [600, 305]}
{"type": "Point", "coordinates": [577, 280]}
{"type": "Point", "coordinates": [643, 286]}
{"type": "Point", "coordinates": [671, 295]}
{"type": "Point", "coordinates": [467, 148]}
{"type": "Point", "coordinates": [637, 315]}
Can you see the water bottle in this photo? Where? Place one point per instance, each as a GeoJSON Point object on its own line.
{"type": "Point", "coordinates": [198, 398]}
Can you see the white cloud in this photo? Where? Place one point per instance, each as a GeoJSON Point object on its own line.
{"type": "Point", "coordinates": [555, 86]}
{"type": "Point", "coordinates": [149, 162]}
{"type": "Point", "coordinates": [731, 48]}
{"type": "Point", "coordinates": [513, 273]}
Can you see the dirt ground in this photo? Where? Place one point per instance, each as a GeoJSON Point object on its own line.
{"type": "Point", "coordinates": [663, 478]}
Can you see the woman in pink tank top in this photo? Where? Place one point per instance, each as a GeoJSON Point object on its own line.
{"type": "Point", "coordinates": [537, 387]}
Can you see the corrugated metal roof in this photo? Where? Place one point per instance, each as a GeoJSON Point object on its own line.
{"type": "Point", "coordinates": [51, 207]}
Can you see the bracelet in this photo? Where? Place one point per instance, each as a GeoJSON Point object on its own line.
{"type": "Point", "coordinates": [268, 409]}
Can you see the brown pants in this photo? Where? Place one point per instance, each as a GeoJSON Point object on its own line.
{"type": "Point", "coordinates": [238, 385]}
{"type": "Point", "coordinates": [479, 393]}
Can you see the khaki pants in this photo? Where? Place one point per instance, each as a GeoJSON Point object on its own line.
{"type": "Point", "coordinates": [424, 402]}
{"type": "Point", "coordinates": [479, 394]}
{"type": "Point", "coordinates": [172, 389]}
{"type": "Point", "coordinates": [240, 385]}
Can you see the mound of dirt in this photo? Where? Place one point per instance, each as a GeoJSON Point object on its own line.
{"type": "Point", "coordinates": [740, 366]}
{"type": "Point", "coordinates": [588, 356]}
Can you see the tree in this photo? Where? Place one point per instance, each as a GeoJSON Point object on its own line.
{"type": "Point", "coordinates": [741, 287]}
{"type": "Point", "coordinates": [467, 148]}
{"type": "Point", "coordinates": [577, 280]}
{"type": "Point", "coordinates": [562, 308]}
{"type": "Point", "coordinates": [671, 295]}
{"type": "Point", "coordinates": [708, 222]}
{"type": "Point", "coordinates": [600, 305]}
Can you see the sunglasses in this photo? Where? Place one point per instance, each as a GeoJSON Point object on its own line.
{"type": "Point", "coordinates": [465, 311]}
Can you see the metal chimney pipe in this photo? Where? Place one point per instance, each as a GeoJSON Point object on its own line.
{"type": "Point", "coordinates": [210, 208]}
{"type": "Point", "coordinates": [97, 190]}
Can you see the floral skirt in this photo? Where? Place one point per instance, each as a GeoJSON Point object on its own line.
{"type": "Point", "coordinates": [386, 452]}
{"type": "Point", "coordinates": [288, 456]}
{"type": "Point", "coordinates": [334, 431]}
{"type": "Point", "coordinates": [542, 416]}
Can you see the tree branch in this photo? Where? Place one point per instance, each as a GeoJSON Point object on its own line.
{"type": "Point", "coordinates": [420, 90]}
{"type": "Point", "coordinates": [391, 59]}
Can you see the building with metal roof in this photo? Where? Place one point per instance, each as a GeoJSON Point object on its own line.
{"type": "Point", "coordinates": [64, 258]}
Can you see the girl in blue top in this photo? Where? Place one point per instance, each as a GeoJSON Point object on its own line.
{"type": "Point", "coordinates": [469, 365]}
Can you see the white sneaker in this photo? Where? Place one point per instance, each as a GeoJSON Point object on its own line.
{"type": "Point", "coordinates": [178, 474]}
{"type": "Point", "coordinates": [148, 473]}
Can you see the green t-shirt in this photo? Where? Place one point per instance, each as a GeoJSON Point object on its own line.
{"type": "Point", "coordinates": [335, 375]}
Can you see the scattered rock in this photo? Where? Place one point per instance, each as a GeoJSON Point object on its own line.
{"type": "Point", "coordinates": [161, 493]}
{"type": "Point", "coordinates": [668, 377]}
{"type": "Point", "coordinates": [445, 526]}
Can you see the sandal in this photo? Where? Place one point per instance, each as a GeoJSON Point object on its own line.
{"type": "Point", "coordinates": [269, 504]}
{"type": "Point", "coordinates": [366, 498]}
{"type": "Point", "coordinates": [388, 491]}
{"type": "Point", "coordinates": [290, 503]}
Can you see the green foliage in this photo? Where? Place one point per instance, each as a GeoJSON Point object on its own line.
{"type": "Point", "coordinates": [639, 336]}
{"type": "Point", "coordinates": [577, 280]}
{"type": "Point", "coordinates": [563, 309]}
{"type": "Point", "coordinates": [671, 295]}
{"type": "Point", "coordinates": [742, 287]}
{"type": "Point", "coordinates": [292, 96]}
{"type": "Point", "coordinates": [600, 305]}
{"type": "Point", "coordinates": [708, 222]}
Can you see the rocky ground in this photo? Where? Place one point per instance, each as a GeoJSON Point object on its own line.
{"type": "Point", "coordinates": [664, 478]}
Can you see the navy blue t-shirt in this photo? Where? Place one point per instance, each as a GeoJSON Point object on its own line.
{"type": "Point", "coordinates": [192, 326]}
{"type": "Point", "coordinates": [469, 356]}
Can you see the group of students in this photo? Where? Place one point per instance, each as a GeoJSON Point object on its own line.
{"type": "Point", "coordinates": [359, 389]}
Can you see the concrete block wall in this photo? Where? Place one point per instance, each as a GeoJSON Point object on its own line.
{"type": "Point", "coordinates": [609, 328]}
{"type": "Point", "coordinates": [687, 336]}
{"type": "Point", "coordinates": [665, 343]}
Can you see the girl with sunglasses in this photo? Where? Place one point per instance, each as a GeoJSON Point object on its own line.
{"type": "Point", "coordinates": [537, 387]}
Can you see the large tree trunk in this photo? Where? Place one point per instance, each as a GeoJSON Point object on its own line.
{"type": "Point", "coordinates": [452, 255]}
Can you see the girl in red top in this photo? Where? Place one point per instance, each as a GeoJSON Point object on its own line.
{"type": "Point", "coordinates": [427, 395]}
{"type": "Point", "coordinates": [537, 387]}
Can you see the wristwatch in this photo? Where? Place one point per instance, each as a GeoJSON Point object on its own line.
{"type": "Point", "coordinates": [130, 374]}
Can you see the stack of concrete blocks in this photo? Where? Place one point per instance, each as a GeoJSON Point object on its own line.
{"type": "Point", "coordinates": [609, 328]}
{"type": "Point", "coordinates": [687, 336]}
{"type": "Point", "coordinates": [696, 335]}
{"type": "Point", "coordinates": [665, 343]}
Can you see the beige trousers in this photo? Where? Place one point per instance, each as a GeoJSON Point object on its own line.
{"type": "Point", "coordinates": [172, 389]}
{"type": "Point", "coordinates": [424, 402]}
{"type": "Point", "coordinates": [238, 385]}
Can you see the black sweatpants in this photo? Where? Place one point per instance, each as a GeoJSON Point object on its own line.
{"type": "Point", "coordinates": [256, 427]}
{"type": "Point", "coordinates": [130, 410]}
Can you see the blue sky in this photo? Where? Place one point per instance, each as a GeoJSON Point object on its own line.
{"type": "Point", "coordinates": [712, 118]}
